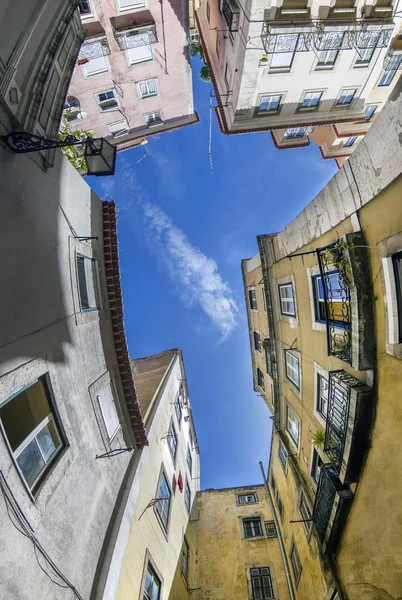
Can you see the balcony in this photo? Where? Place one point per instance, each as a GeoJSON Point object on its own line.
{"type": "Point", "coordinates": [136, 37]}
{"type": "Point", "coordinates": [331, 507]}
{"type": "Point", "coordinates": [347, 298]}
{"type": "Point", "coordinates": [93, 48]}
{"type": "Point", "coordinates": [231, 12]}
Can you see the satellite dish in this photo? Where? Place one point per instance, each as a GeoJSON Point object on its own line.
{"type": "Point", "coordinates": [81, 115]}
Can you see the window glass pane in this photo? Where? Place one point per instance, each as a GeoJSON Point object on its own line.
{"type": "Point", "coordinates": [162, 507]}
{"type": "Point", "coordinates": [253, 299]}
{"type": "Point", "coordinates": [292, 425]}
{"type": "Point", "coordinates": [369, 110]}
{"type": "Point", "coordinates": [108, 410]}
{"type": "Point", "coordinates": [322, 400]}
{"type": "Point", "coordinates": [48, 440]}
{"type": "Point", "coordinates": [31, 462]}
{"type": "Point", "coordinates": [152, 585]}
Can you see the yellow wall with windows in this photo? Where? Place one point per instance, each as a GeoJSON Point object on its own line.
{"type": "Point", "coordinates": [224, 556]}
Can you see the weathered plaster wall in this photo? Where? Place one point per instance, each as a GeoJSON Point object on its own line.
{"type": "Point", "coordinates": [224, 556]}
{"type": "Point", "coordinates": [41, 332]}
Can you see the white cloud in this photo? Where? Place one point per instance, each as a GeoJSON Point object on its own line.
{"type": "Point", "coordinates": [196, 276]}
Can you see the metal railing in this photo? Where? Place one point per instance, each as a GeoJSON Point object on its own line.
{"type": "Point", "coordinates": [340, 385]}
{"type": "Point", "coordinates": [232, 15]}
{"type": "Point", "coordinates": [335, 275]}
{"type": "Point", "coordinates": [134, 38]}
{"type": "Point", "coordinates": [324, 500]}
{"type": "Point", "coordinates": [94, 49]}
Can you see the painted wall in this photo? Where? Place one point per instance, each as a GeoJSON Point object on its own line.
{"type": "Point", "coordinates": [170, 65]}
{"type": "Point", "coordinates": [43, 331]}
{"type": "Point", "coordinates": [224, 555]}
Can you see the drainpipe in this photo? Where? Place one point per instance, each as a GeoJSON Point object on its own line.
{"type": "Point", "coordinates": [280, 539]}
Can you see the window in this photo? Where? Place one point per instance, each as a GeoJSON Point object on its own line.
{"type": "Point", "coordinates": [96, 65]}
{"type": "Point", "coordinates": [369, 110]}
{"type": "Point", "coordinates": [107, 100]}
{"type": "Point", "coordinates": [86, 272]}
{"type": "Point", "coordinates": [393, 64]}
{"type": "Point", "coordinates": [327, 58]}
{"type": "Point", "coordinates": [139, 54]}
{"type": "Point", "coordinates": [283, 455]}
{"type": "Point", "coordinates": [246, 499]}
{"type": "Point", "coordinates": [264, 300]}
{"type": "Point", "coordinates": [108, 409]}
{"type": "Point", "coordinates": [162, 507]}
{"type": "Point", "coordinates": [260, 379]}
{"type": "Point", "coordinates": [292, 368]}
{"type": "Point", "coordinates": [252, 527]}
{"type": "Point", "coordinates": [292, 425]}
{"type": "Point", "coordinates": [316, 466]}
{"type": "Point", "coordinates": [154, 118]}
{"type": "Point", "coordinates": [349, 141]}
{"type": "Point", "coordinates": [172, 440]}
{"type": "Point", "coordinates": [32, 432]}
{"type": "Point", "coordinates": [257, 341]}
{"type": "Point", "coordinates": [187, 497]}
{"type": "Point", "coordinates": [178, 407]}
{"type": "Point", "coordinates": [273, 483]}
{"type": "Point", "coordinates": [322, 395]}
{"type": "Point", "coordinates": [337, 293]}
{"type": "Point", "coordinates": [282, 61]}
{"type": "Point", "coordinates": [152, 586]}
{"type": "Point", "coordinates": [364, 56]}
{"type": "Point", "coordinates": [397, 264]}
{"type": "Point", "coordinates": [185, 553]}
{"type": "Point", "coordinates": [269, 103]}
{"type": "Point", "coordinates": [148, 88]}
{"type": "Point", "coordinates": [118, 129]}
{"type": "Point", "coordinates": [346, 97]}
{"type": "Point", "coordinates": [286, 298]}
{"type": "Point", "coordinates": [305, 513]}
{"type": "Point", "coordinates": [311, 99]}
{"type": "Point", "coordinates": [189, 460]}
{"type": "Point", "coordinates": [261, 583]}
{"type": "Point", "coordinates": [252, 298]}
{"type": "Point", "coordinates": [295, 133]}
{"type": "Point", "coordinates": [130, 4]}
{"type": "Point", "coordinates": [295, 562]}
{"type": "Point", "coordinates": [85, 8]}
{"type": "Point", "coordinates": [279, 503]}
{"type": "Point", "coordinates": [270, 529]}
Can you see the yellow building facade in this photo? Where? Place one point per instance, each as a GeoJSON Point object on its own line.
{"type": "Point", "coordinates": [238, 552]}
{"type": "Point", "coordinates": [332, 280]}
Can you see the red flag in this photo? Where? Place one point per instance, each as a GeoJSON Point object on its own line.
{"type": "Point", "coordinates": [180, 482]}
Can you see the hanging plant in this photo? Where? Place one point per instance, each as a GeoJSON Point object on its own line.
{"type": "Point", "coordinates": [265, 344]}
{"type": "Point", "coordinates": [318, 438]}
{"type": "Point", "coordinates": [337, 255]}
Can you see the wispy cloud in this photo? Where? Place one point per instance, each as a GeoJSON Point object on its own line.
{"type": "Point", "coordinates": [170, 175]}
{"type": "Point", "coordinates": [196, 276]}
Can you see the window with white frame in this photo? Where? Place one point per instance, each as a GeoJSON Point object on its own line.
{"type": "Point", "coordinates": [295, 562]}
{"type": "Point", "coordinates": [172, 440]}
{"type": "Point", "coordinates": [187, 497]}
{"type": "Point", "coordinates": [269, 103]}
{"type": "Point", "coordinates": [292, 425]}
{"type": "Point", "coordinates": [283, 455]}
{"type": "Point", "coordinates": [252, 298]}
{"type": "Point", "coordinates": [162, 506]}
{"type": "Point", "coordinates": [148, 88]}
{"type": "Point", "coordinates": [270, 529]}
{"type": "Point", "coordinates": [85, 8]}
{"type": "Point", "coordinates": [322, 395]}
{"type": "Point", "coordinates": [292, 367]}
{"type": "Point", "coordinates": [154, 118]}
{"type": "Point", "coordinates": [139, 54]}
{"type": "Point", "coordinates": [107, 100]}
{"type": "Point", "coordinates": [311, 100]}
{"type": "Point", "coordinates": [286, 298]}
{"type": "Point", "coordinates": [31, 429]}
{"type": "Point", "coordinates": [364, 56]}
{"type": "Point", "coordinates": [87, 282]}
{"type": "Point", "coordinates": [316, 464]}
{"type": "Point", "coordinates": [96, 65]}
{"type": "Point", "coordinates": [326, 59]}
{"type": "Point", "coordinates": [118, 128]}
{"type": "Point", "coordinates": [305, 512]}
{"type": "Point", "coordinates": [261, 583]}
{"type": "Point", "coordinates": [369, 110]}
{"type": "Point", "coordinates": [246, 498]}
{"type": "Point", "coordinates": [257, 341]}
{"type": "Point", "coordinates": [336, 303]}
{"type": "Point", "coordinates": [350, 141]}
{"type": "Point", "coordinates": [346, 97]}
{"type": "Point", "coordinates": [252, 527]}
{"type": "Point", "coordinates": [260, 379]}
{"type": "Point", "coordinates": [108, 410]}
{"type": "Point", "coordinates": [295, 133]}
{"type": "Point", "coordinates": [130, 4]}
{"type": "Point", "coordinates": [394, 63]}
{"type": "Point", "coordinates": [152, 585]}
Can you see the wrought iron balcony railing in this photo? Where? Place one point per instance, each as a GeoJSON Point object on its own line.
{"type": "Point", "coordinates": [335, 274]}
{"type": "Point", "coordinates": [94, 49]}
{"type": "Point", "coordinates": [134, 38]}
{"type": "Point", "coordinates": [340, 385]}
{"type": "Point", "coordinates": [324, 500]}
{"type": "Point", "coordinates": [231, 12]}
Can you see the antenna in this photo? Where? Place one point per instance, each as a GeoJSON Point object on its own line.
{"type": "Point", "coordinates": [210, 132]}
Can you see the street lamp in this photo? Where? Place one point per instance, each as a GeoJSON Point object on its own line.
{"type": "Point", "coordinates": [100, 156]}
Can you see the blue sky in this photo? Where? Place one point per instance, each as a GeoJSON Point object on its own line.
{"type": "Point", "coordinates": [183, 231]}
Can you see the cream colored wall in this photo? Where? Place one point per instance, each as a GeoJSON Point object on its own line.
{"type": "Point", "coordinates": [146, 533]}
{"type": "Point", "coordinates": [370, 556]}
{"type": "Point", "coordinates": [316, 579]}
{"type": "Point", "coordinates": [224, 557]}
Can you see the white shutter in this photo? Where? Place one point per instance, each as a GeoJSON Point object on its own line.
{"type": "Point", "coordinates": [124, 4]}
{"type": "Point", "coordinates": [95, 65]}
{"type": "Point", "coordinates": [90, 266]}
{"type": "Point", "coordinates": [281, 59]}
{"type": "Point", "coordinates": [140, 54]}
{"type": "Point", "coordinates": [108, 410]}
{"type": "Point", "coordinates": [119, 128]}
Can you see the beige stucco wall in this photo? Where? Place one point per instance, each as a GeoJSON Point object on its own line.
{"type": "Point", "coordinates": [224, 557]}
